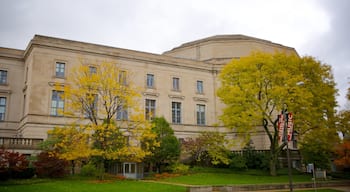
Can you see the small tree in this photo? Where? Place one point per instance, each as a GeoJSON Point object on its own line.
{"type": "Point", "coordinates": [168, 151]}
{"type": "Point", "coordinates": [209, 146]}
{"type": "Point", "coordinates": [49, 165]}
{"type": "Point", "coordinates": [12, 164]}
{"type": "Point", "coordinates": [117, 128]}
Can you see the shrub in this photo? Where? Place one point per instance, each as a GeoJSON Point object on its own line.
{"type": "Point", "coordinates": [237, 162]}
{"type": "Point", "coordinates": [13, 165]}
{"type": "Point", "coordinates": [51, 166]}
{"type": "Point", "coordinates": [179, 168]}
{"type": "Point", "coordinates": [88, 170]}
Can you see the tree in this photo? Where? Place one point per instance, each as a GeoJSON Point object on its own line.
{"type": "Point", "coordinates": [258, 87]}
{"type": "Point", "coordinates": [169, 147]}
{"type": "Point", "coordinates": [343, 122]}
{"type": "Point", "coordinates": [12, 164]}
{"type": "Point", "coordinates": [208, 147]}
{"type": "Point", "coordinates": [117, 128]}
{"type": "Point", "coordinates": [49, 165]}
{"type": "Point", "coordinates": [342, 151]}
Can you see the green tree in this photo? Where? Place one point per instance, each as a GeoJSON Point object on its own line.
{"type": "Point", "coordinates": [169, 149]}
{"type": "Point", "coordinates": [208, 147]}
{"type": "Point", "coordinates": [258, 87]}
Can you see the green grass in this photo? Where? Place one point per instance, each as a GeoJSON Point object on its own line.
{"type": "Point", "coordinates": [214, 176]}
{"type": "Point", "coordinates": [77, 185]}
{"type": "Point", "coordinates": [198, 176]}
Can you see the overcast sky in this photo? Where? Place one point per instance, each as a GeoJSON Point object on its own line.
{"type": "Point", "coordinates": [320, 28]}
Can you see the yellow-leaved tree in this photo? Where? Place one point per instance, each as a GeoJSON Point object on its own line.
{"type": "Point", "coordinates": [256, 88]}
{"type": "Point", "coordinates": [116, 130]}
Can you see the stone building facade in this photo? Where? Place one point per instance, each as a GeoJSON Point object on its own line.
{"type": "Point", "coordinates": [179, 84]}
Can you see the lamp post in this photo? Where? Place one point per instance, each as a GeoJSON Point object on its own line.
{"type": "Point", "coordinates": [285, 139]}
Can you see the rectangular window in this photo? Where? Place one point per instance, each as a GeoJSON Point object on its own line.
{"type": "Point", "coordinates": [150, 81]}
{"type": "Point", "coordinates": [92, 70]}
{"type": "Point", "coordinates": [122, 77]}
{"type": "Point", "coordinates": [3, 77]}
{"type": "Point", "coordinates": [176, 84]}
{"type": "Point", "coordinates": [200, 114]}
{"type": "Point", "coordinates": [57, 103]}
{"type": "Point", "coordinates": [200, 87]}
{"type": "Point", "coordinates": [176, 112]}
{"type": "Point", "coordinates": [2, 108]}
{"type": "Point", "coordinates": [150, 109]}
{"type": "Point", "coordinates": [122, 112]}
{"type": "Point", "coordinates": [60, 67]}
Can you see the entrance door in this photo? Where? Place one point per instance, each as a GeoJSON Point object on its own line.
{"type": "Point", "coordinates": [129, 170]}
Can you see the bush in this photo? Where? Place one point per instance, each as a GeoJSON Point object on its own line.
{"type": "Point", "coordinates": [51, 166]}
{"type": "Point", "coordinates": [237, 162]}
{"type": "Point", "coordinates": [13, 165]}
{"type": "Point", "coordinates": [88, 170]}
{"type": "Point", "coordinates": [24, 174]}
{"type": "Point", "coordinates": [179, 168]}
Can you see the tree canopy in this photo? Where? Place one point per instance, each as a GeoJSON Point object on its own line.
{"type": "Point", "coordinates": [117, 128]}
{"type": "Point", "coordinates": [256, 88]}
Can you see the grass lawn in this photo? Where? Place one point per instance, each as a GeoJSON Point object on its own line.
{"type": "Point", "coordinates": [77, 185]}
{"type": "Point", "coordinates": [225, 176]}
{"type": "Point", "coordinates": [198, 176]}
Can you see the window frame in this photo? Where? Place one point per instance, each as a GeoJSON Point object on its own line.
{"type": "Point", "coordinates": [3, 77]}
{"type": "Point", "coordinates": [150, 109]}
{"type": "Point", "coordinates": [150, 80]}
{"type": "Point", "coordinates": [200, 114]}
{"type": "Point", "coordinates": [58, 68]}
{"type": "Point", "coordinates": [4, 107]}
{"type": "Point", "coordinates": [176, 110]}
{"type": "Point", "coordinates": [54, 109]}
{"type": "Point", "coordinates": [200, 87]}
{"type": "Point", "coordinates": [176, 84]}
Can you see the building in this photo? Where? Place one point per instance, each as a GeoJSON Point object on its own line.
{"type": "Point", "coordinates": [179, 84]}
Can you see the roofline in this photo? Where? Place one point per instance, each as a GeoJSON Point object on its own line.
{"type": "Point", "coordinates": [237, 37]}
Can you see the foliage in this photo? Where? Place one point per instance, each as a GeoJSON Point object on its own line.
{"type": "Point", "coordinates": [49, 165]}
{"type": "Point", "coordinates": [208, 146]}
{"type": "Point", "coordinates": [100, 96]}
{"type": "Point", "coordinates": [13, 165]}
{"type": "Point", "coordinates": [179, 168]}
{"type": "Point", "coordinates": [88, 170]}
{"type": "Point", "coordinates": [255, 159]}
{"type": "Point", "coordinates": [238, 162]}
{"type": "Point", "coordinates": [343, 122]}
{"type": "Point", "coordinates": [168, 150]}
{"type": "Point", "coordinates": [256, 88]}
{"type": "Point", "coordinates": [342, 152]}
{"type": "Point", "coordinates": [317, 150]}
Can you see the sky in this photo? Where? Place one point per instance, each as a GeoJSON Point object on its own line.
{"type": "Point", "coordinates": [318, 28]}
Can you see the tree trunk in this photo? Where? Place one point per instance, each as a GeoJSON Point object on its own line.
{"type": "Point", "coordinates": [273, 162]}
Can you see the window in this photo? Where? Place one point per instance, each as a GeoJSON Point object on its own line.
{"type": "Point", "coordinates": [90, 108]}
{"type": "Point", "coordinates": [2, 108]}
{"type": "Point", "coordinates": [122, 77]}
{"type": "Point", "coordinates": [3, 77]}
{"type": "Point", "coordinates": [150, 81]}
{"type": "Point", "coordinates": [176, 84]}
{"type": "Point", "coordinates": [176, 112]}
{"type": "Point", "coordinates": [150, 109]}
{"type": "Point", "coordinates": [57, 103]}
{"type": "Point", "coordinates": [60, 67]}
{"type": "Point", "coordinates": [122, 112]}
{"type": "Point", "coordinates": [200, 114]}
{"type": "Point", "coordinates": [92, 70]}
{"type": "Point", "coordinates": [200, 87]}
